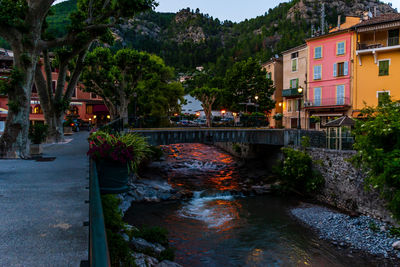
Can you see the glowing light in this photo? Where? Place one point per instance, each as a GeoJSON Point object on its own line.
{"type": "Point", "coordinates": [280, 104]}
{"type": "Point", "coordinates": [198, 114]}
{"type": "Point", "coordinates": [234, 114]}
{"type": "Point", "coordinates": [90, 119]}
{"type": "Point", "coordinates": [94, 117]}
{"type": "Point", "coordinates": [176, 114]}
{"type": "Point", "coordinates": [223, 111]}
{"type": "Point", "coordinates": [108, 117]}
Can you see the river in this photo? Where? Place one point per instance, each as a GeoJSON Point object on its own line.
{"type": "Point", "coordinates": [221, 227]}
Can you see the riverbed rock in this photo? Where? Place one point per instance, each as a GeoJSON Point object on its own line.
{"type": "Point", "coordinates": [141, 245]}
{"type": "Point", "coordinates": [396, 245]}
{"type": "Point", "coordinates": [143, 260]}
{"type": "Point", "coordinates": [167, 263]}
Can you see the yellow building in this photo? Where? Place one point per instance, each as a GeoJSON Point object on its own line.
{"type": "Point", "coordinates": [275, 73]}
{"type": "Point", "coordinates": [377, 60]}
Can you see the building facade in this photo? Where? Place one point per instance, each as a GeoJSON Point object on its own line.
{"type": "Point", "coordinates": [274, 69]}
{"type": "Point", "coordinates": [85, 106]}
{"type": "Point", "coordinates": [377, 60]}
{"type": "Point", "coordinates": [295, 62]}
{"type": "Point", "coordinates": [329, 90]}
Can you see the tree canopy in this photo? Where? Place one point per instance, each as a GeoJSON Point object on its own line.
{"type": "Point", "coordinates": [128, 74]}
{"type": "Point", "coordinates": [247, 82]}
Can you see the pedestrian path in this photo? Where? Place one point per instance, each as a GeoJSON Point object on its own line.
{"type": "Point", "coordinates": [42, 207]}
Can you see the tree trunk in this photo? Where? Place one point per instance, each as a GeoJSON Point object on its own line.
{"type": "Point", "coordinates": [14, 143]}
{"type": "Point", "coordinates": [123, 111]}
{"type": "Point", "coordinates": [56, 128]}
{"type": "Point", "coordinates": [208, 113]}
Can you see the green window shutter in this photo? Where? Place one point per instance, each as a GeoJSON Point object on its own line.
{"type": "Point", "coordinates": [384, 68]}
{"type": "Point", "coordinates": [297, 83]}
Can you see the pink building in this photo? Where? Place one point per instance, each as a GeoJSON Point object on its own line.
{"type": "Point", "coordinates": [329, 74]}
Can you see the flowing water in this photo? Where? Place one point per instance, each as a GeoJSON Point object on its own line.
{"type": "Point", "coordinates": [221, 227]}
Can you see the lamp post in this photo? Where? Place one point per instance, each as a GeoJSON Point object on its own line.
{"type": "Point", "coordinates": [300, 91]}
{"type": "Point", "coordinates": [256, 98]}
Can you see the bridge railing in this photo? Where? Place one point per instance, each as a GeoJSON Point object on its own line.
{"type": "Point", "coordinates": [98, 248]}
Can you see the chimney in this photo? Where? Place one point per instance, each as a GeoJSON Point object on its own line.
{"type": "Point", "coordinates": [323, 18]}
{"type": "Point", "coordinates": [374, 11]}
{"type": "Point", "coordinates": [338, 21]}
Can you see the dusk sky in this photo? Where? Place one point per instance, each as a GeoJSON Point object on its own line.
{"type": "Point", "coordinates": [234, 10]}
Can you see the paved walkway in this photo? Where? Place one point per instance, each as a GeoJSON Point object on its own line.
{"type": "Point", "coordinates": [42, 207]}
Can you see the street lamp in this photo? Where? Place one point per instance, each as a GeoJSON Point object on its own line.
{"type": "Point", "coordinates": [256, 98]}
{"type": "Point", "coordinates": [300, 91]}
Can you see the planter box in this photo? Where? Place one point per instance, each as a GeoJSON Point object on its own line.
{"type": "Point", "coordinates": [113, 177]}
{"type": "Point", "coordinates": [68, 130]}
{"type": "Point", "coordinates": [36, 150]}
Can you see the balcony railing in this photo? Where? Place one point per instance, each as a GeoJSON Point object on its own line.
{"type": "Point", "coordinates": [327, 102]}
{"type": "Point", "coordinates": [361, 46]}
{"type": "Point", "coordinates": [290, 93]}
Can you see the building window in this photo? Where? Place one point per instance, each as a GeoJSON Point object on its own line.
{"type": "Point", "coordinates": [53, 86]}
{"type": "Point", "coordinates": [294, 64]}
{"type": "Point", "coordinates": [89, 109]}
{"type": "Point", "coordinates": [289, 106]}
{"type": "Point", "coordinates": [295, 55]}
{"type": "Point", "coordinates": [317, 96]}
{"type": "Point", "coordinates": [393, 37]}
{"type": "Point", "coordinates": [74, 92]}
{"type": "Point", "coordinates": [318, 52]}
{"type": "Point", "coordinates": [382, 95]}
{"type": "Point", "coordinates": [37, 110]}
{"type": "Point", "coordinates": [317, 72]}
{"type": "Point", "coordinates": [340, 69]}
{"type": "Point", "coordinates": [340, 48]}
{"type": "Point", "coordinates": [384, 67]}
{"type": "Point", "coordinates": [294, 83]}
{"type": "Point", "coordinates": [269, 75]}
{"type": "Point", "coordinates": [340, 95]}
{"type": "Point", "coordinates": [93, 95]}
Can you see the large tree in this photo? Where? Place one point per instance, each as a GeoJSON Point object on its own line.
{"type": "Point", "coordinates": [22, 25]}
{"type": "Point", "coordinates": [119, 78]}
{"type": "Point", "coordinates": [246, 80]}
{"type": "Point", "coordinates": [207, 96]}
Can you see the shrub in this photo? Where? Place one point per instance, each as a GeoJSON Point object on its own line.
{"type": "Point", "coordinates": [154, 235]}
{"type": "Point", "coordinates": [118, 247]}
{"type": "Point", "coordinates": [377, 140]}
{"type": "Point", "coordinates": [38, 133]}
{"type": "Point", "coordinates": [237, 148]}
{"type": "Point", "coordinates": [297, 175]}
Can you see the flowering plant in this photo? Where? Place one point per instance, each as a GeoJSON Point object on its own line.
{"type": "Point", "coordinates": [128, 149]}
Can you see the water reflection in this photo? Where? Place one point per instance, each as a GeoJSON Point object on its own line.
{"type": "Point", "coordinates": [218, 227]}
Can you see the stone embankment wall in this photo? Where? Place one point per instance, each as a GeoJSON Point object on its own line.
{"type": "Point", "coordinates": [344, 184]}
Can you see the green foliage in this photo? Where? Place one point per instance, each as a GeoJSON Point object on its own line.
{"type": "Point", "coordinates": [244, 82]}
{"type": "Point", "coordinates": [154, 235]}
{"type": "Point", "coordinates": [156, 153]}
{"type": "Point", "coordinates": [38, 133]}
{"type": "Point", "coordinates": [305, 142]}
{"type": "Point", "coordinates": [297, 175]}
{"type": "Point", "coordinates": [372, 225]}
{"type": "Point", "coordinates": [131, 140]}
{"type": "Point", "coordinates": [237, 148]}
{"type": "Point", "coordinates": [118, 247]}
{"type": "Point", "coordinates": [377, 140]}
{"type": "Point", "coordinates": [278, 116]}
{"type": "Point", "coordinates": [129, 73]}
{"type": "Point", "coordinates": [395, 231]}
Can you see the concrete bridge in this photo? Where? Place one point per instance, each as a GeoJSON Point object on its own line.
{"type": "Point", "coordinates": [275, 137]}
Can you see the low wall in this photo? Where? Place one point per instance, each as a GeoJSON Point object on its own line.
{"type": "Point", "coordinates": [344, 184]}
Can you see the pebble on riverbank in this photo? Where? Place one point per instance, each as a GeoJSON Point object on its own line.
{"type": "Point", "coordinates": [363, 232]}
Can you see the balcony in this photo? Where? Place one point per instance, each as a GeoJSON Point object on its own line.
{"type": "Point", "coordinates": [291, 93]}
{"type": "Point", "coordinates": [328, 102]}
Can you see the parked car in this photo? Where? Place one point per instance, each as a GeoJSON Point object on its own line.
{"type": "Point", "coordinates": [200, 122]}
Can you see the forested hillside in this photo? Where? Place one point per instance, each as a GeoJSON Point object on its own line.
{"type": "Point", "coordinates": [189, 38]}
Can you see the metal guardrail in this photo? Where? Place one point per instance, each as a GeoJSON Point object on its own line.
{"type": "Point", "coordinates": [115, 126]}
{"type": "Point", "coordinates": [98, 248]}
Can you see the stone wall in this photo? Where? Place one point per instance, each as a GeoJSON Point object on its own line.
{"type": "Point", "coordinates": [344, 184]}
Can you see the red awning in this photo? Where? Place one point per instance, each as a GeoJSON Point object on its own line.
{"type": "Point", "coordinates": [100, 109]}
